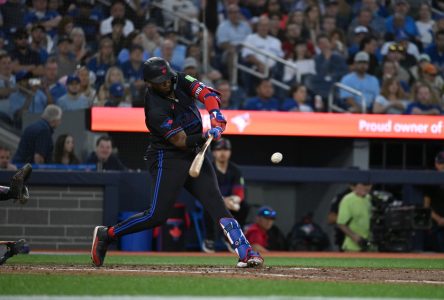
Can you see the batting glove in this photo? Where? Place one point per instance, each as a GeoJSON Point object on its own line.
{"type": "Point", "coordinates": [217, 119]}
{"type": "Point", "coordinates": [216, 132]}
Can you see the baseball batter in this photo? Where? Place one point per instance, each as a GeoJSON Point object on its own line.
{"type": "Point", "coordinates": [175, 124]}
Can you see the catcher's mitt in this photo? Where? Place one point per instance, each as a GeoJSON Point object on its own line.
{"type": "Point", "coordinates": [17, 189]}
{"type": "Point", "coordinates": [9, 249]}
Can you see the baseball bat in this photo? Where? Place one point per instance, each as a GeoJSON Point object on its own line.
{"type": "Point", "coordinates": [196, 165]}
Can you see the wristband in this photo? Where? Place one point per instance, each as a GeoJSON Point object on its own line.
{"type": "Point", "coordinates": [195, 140]}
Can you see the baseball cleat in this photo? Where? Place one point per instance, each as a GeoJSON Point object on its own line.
{"type": "Point", "coordinates": [208, 246]}
{"type": "Point", "coordinates": [100, 245]}
{"type": "Point", "coordinates": [18, 190]}
{"type": "Point", "coordinates": [252, 260]}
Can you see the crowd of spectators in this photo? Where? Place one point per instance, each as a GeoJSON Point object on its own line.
{"type": "Point", "coordinates": [84, 53]}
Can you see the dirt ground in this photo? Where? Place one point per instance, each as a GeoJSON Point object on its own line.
{"type": "Point", "coordinates": [385, 275]}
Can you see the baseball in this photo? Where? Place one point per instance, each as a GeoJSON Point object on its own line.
{"type": "Point", "coordinates": [276, 157]}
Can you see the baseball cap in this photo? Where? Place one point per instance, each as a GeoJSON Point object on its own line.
{"type": "Point", "coordinates": [429, 69]}
{"type": "Point", "coordinates": [64, 38]}
{"type": "Point", "coordinates": [116, 89]}
{"type": "Point", "coordinates": [222, 143]}
{"type": "Point", "coordinates": [360, 29]}
{"type": "Point", "coordinates": [400, 2]}
{"type": "Point", "coordinates": [362, 56]}
{"type": "Point", "coordinates": [439, 159]}
{"type": "Point", "coordinates": [22, 75]}
{"type": "Point", "coordinates": [266, 212]}
{"type": "Point", "coordinates": [332, 2]}
{"type": "Point", "coordinates": [72, 78]}
{"type": "Point", "coordinates": [423, 57]}
{"type": "Point", "coordinates": [190, 62]}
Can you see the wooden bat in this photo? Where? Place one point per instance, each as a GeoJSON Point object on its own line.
{"type": "Point", "coordinates": [196, 165]}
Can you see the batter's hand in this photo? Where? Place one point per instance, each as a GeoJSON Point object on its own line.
{"type": "Point", "coordinates": [216, 132]}
{"type": "Point", "coordinates": [217, 119]}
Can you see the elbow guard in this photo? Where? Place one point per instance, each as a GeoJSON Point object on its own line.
{"type": "Point", "coordinates": [208, 96]}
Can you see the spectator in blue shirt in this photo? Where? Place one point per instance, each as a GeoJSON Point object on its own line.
{"type": "Point", "coordinates": [132, 71]}
{"type": "Point", "coordinates": [264, 99]}
{"type": "Point", "coordinates": [360, 80]}
{"type": "Point", "coordinates": [425, 101]}
{"type": "Point", "coordinates": [102, 61]}
{"type": "Point", "coordinates": [74, 99]}
{"type": "Point", "coordinates": [21, 101]}
{"type": "Point", "coordinates": [436, 50]}
{"type": "Point", "coordinates": [36, 145]}
{"type": "Point", "coordinates": [40, 14]}
{"type": "Point", "coordinates": [401, 21]}
{"type": "Point", "coordinates": [50, 80]}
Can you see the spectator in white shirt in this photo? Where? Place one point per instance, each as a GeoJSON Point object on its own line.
{"type": "Point", "coordinates": [117, 11]}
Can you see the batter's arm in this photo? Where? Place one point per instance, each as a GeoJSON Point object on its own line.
{"type": "Point", "coordinates": [182, 141]}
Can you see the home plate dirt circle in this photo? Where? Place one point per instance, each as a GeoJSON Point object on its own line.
{"type": "Point", "coordinates": [416, 276]}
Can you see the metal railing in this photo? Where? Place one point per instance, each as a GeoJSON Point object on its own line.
{"type": "Point", "coordinates": [238, 66]}
{"type": "Point", "coordinates": [331, 98]}
{"type": "Point", "coordinates": [181, 17]}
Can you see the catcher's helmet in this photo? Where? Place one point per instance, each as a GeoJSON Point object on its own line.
{"type": "Point", "coordinates": [157, 70]}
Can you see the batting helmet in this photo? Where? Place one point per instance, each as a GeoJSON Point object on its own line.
{"type": "Point", "coordinates": [157, 70]}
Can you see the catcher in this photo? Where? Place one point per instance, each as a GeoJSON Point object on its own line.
{"type": "Point", "coordinates": [19, 192]}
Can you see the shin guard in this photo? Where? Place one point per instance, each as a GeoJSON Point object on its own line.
{"type": "Point", "coordinates": [236, 237]}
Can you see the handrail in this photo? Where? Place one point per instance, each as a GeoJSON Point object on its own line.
{"type": "Point", "coordinates": [351, 90]}
{"type": "Point", "coordinates": [195, 22]}
{"type": "Point", "coordinates": [237, 65]}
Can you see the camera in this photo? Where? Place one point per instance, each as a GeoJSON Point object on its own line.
{"type": "Point", "coordinates": [35, 81]}
{"type": "Point", "coordinates": [393, 224]}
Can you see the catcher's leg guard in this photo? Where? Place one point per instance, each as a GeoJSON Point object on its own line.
{"type": "Point", "coordinates": [247, 257]}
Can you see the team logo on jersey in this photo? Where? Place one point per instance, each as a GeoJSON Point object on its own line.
{"type": "Point", "coordinates": [167, 123]}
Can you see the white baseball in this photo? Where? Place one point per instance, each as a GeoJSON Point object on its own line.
{"type": "Point", "coordinates": [276, 157]}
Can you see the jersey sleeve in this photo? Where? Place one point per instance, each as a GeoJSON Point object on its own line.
{"type": "Point", "coordinates": [162, 123]}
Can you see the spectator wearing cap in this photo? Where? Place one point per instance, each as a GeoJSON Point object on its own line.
{"type": "Point", "coordinates": [65, 57]}
{"type": "Point", "coordinates": [117, 10]}
{"type": "Point", "coordinates": [429, 74]}
{"type": "Point", "coordinates": [39, 42]}
{"type": "Point", "coordinates": [74, 99]}
{"type": "Point", "coordinates": [433, 199]}
{"type": "Point", "coordinates": [7, 86]}
{"type": "Point", "coordinates": [410, 50]}
{"type": "Point", "coordinates": [102, 61]}
{"type": "Point", "coordinates": [401, 21]}
{"type": "Point", "coordinates": [416, 69]}
{"type": "Point", "coordinates": [425, 101]}
{"type": "Point", "coordinates": [436, 50]}
{"type": "Point", "coordinates": [113, 75]}
{"type": "Point", "coordinates": [191, 67]}
{"type": "Point", "coordinates": [29, 97]}
{"type": "Point", "coordinates": [359, 33]}
{"type": "Point", "coordinates": [363, 19]}
{"type": "Point", "coordinates": [116, 96]}
{"type": "Point", "coordinates": [229, 34]}
{"type": "Point", "coordinates": [257, 233]}
{"type": "Point", "coordinates": [360, 80]}
{"type": "Point", "coordinates": [23, 57]}
{"type": "Point", "coordinates": [40, 14]}
{"type": "Point", "coordinates": [117, 35]}
{"type": "Point", "coordinates": [265, 98]}
{"type": "Point", "coordinates": [232, 187]}
{"type": "Point", "coordinates": [50, 81]}
{"type": "Point", "coordinates": [425, 24]}
{"type": "Point", "coordinates": [132, 71]}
